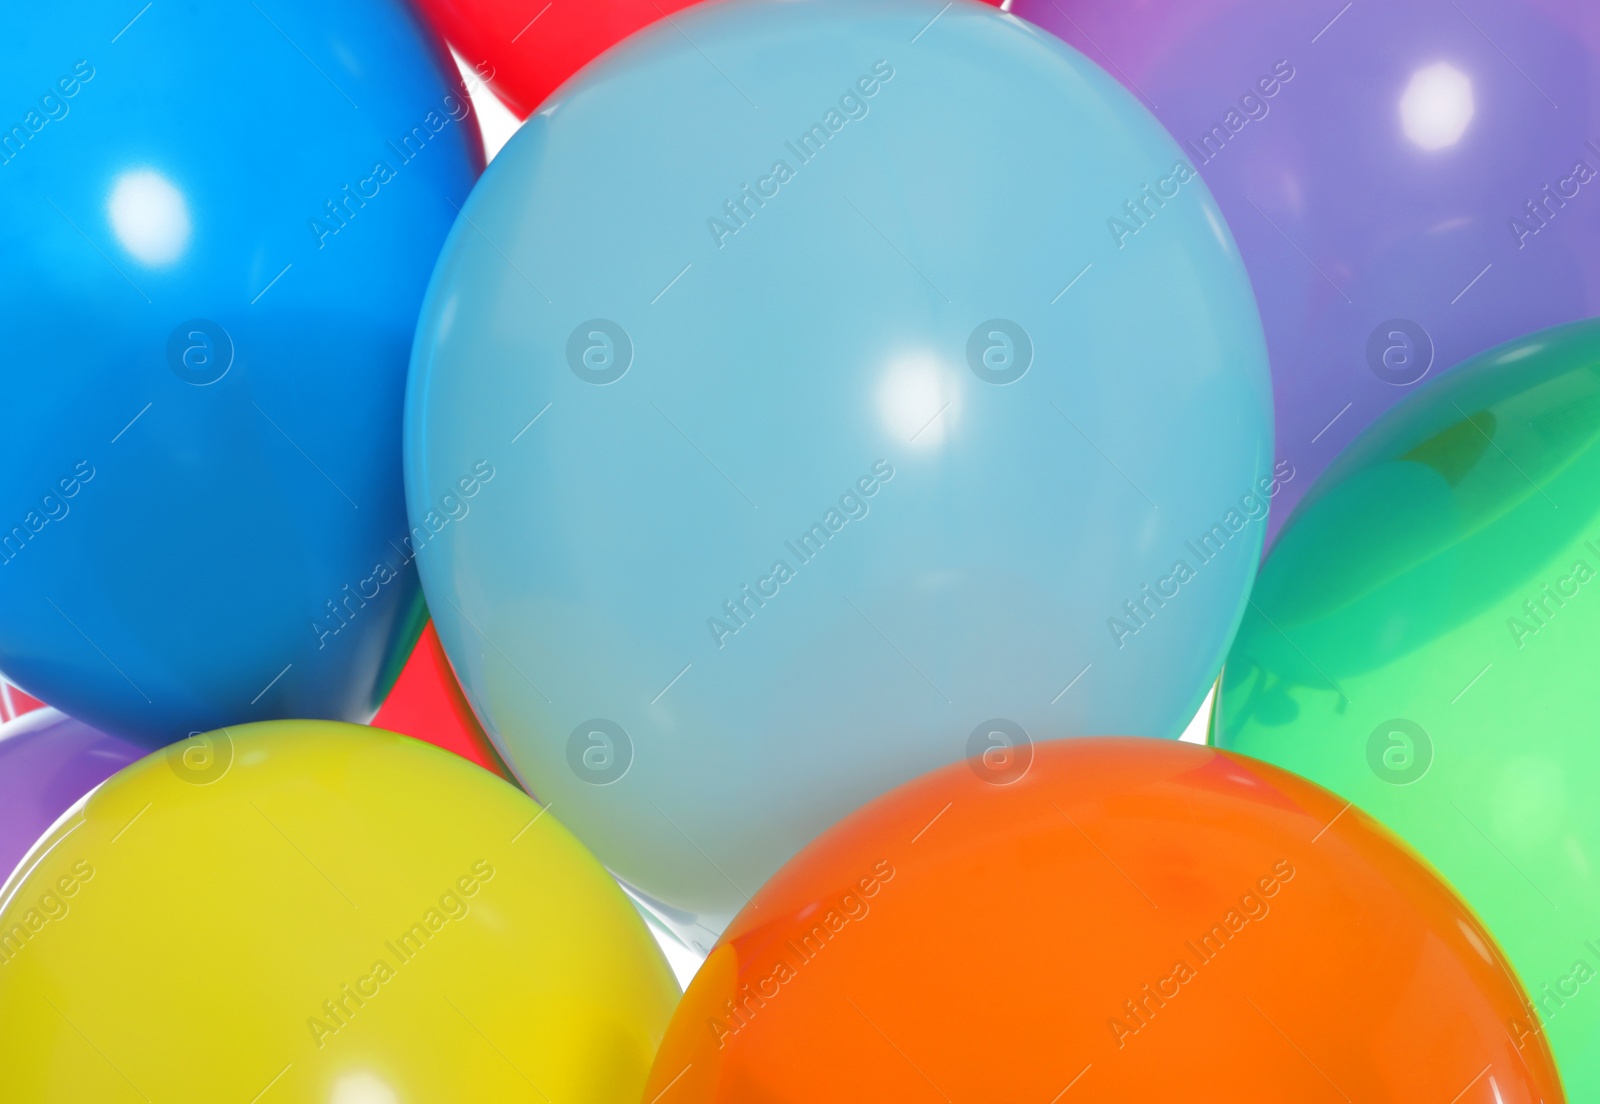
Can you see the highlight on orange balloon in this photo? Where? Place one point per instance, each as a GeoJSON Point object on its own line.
{"type": "Point", "coordinates": [1128, 920]}
{"type": "Point", "coordinates": [427, 703]}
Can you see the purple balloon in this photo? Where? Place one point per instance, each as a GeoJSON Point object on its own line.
{"type": "Point", "coordinates": [47, 762]}
{"type": "Point", "coordinates": [1410, 182]}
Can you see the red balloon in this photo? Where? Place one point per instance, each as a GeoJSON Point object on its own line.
{"type": "Point", "coordinates": [427, 703]}
{"type": "Point", "coordinates": [14, 702]}
{"type": "Point", "coordinates": [526, 48]}
{"type": "Point", "coordinates": [1130, 920]}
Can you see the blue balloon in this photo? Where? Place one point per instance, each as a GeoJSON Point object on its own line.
{"type": "Point", "coordinates": [791, 418]}
{"type": "Point", "coordinates": [217, 223]}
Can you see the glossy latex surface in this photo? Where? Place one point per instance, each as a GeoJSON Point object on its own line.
{"type": "Point", "coordinates": [218, 222]}
{"type": "Point", "coordinates": [308, 911]}
{"type": "Point", "coordinates": [1411, 181]}
{"type": "Point", "coordinates": [427, 703]}
{"type": "Point", "coordinates": [1422, 642]}
{"type": "Point", "coordinates": [790, 505]}
{"type": "Point", "coordinates": [47, 762]}
{"type": "Point", "coordinates": [525, 51]}
{"type": "Point", "coordinates": [1132, 920]}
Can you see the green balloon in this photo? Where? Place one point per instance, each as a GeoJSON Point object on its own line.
{"type": "Point", "coordinates": [1424, 640]}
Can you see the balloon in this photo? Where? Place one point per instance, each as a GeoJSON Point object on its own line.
{"type": "Point", "coordinates": [47, 762]}
{"type": "Point", "coordinates": [1407, 180]}
{"type": "Point", "coordinates": [525, 51]}
{"type": "Point", "coordinates": [772, 512]}
{"type": "Point", "coordinates": [304, 910]}
{"type": "Point", "coordinates": [14, 702]}
{"type": "Point", "coordinates": [1421, 642]}
{"type": "Point", "coordinates": [427, 703]}
{"type": "Point", "coordinates": [1127, 920]}
{"type": "Point", "coordinates": [525, 57]}
{"type": "Point", "coordinates": [212, 292]}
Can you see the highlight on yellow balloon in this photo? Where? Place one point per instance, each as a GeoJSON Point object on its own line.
{"type": "Point", "coordinates": [305, 911]}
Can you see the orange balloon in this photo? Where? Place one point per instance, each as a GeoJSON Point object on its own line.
{"type": "Point", "coordinates": [1133, 920]}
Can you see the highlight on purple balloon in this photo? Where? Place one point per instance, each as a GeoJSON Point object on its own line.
{"type": "Point", "coordinates": [47, 762]}
{"type": "Point", "coordinates": [1410, 182]}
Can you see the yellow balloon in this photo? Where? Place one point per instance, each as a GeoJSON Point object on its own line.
{"type": "Point", "coordinates": [303, 911]}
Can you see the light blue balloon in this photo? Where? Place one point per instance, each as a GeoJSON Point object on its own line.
{"type": "Point", "coordinates": [801, 403]}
